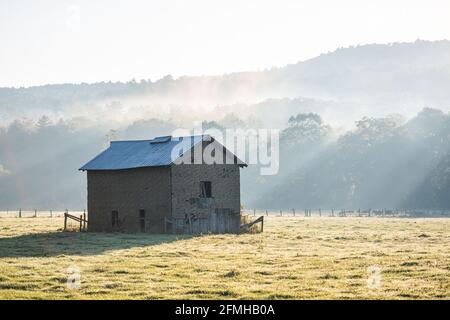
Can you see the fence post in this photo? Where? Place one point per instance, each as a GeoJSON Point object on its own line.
{"type": "Point", "coordinates": [267, 213]}
{"type": "Point", "coordinates": [320, 212]}
{"type": "Point", "coordinates": [293, 211]}
{"type": "Point", "coordinates": [35, 213]}
{"type": "Point", "coordinates": [254, 212]}
{"type": "Point", "coordinates": [20, 213]}
{"type": "Point", "coordinates": [81, 222]}
{"type": "Point", "coordinates": [281, 213]}
{"type": "Point", "coordinates": [262, 224]}
{"type": "Point", "coordinates": [65, 221]}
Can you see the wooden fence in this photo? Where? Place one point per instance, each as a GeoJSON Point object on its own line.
{"type": "Point", "coordinates": [214, 223]}
{"type": "Point", "coordinates": [255, 226]}
{"type": "Point", "coordinates": [82, 220]}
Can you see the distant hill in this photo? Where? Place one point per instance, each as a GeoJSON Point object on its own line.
{"type": "Point", "coordinates": [370, 79]}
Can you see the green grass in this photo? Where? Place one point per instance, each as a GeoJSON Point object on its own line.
{"type": "Point", "coordinates": [295, 258]}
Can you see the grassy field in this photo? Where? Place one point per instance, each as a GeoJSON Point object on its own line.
{"type": "Point", "coordinates": [295, 258]}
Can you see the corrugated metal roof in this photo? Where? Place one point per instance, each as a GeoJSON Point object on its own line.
{"type": "Point", "coordinates": [137, 153]}
{"type": "Point", "coordinates": [141, 153]}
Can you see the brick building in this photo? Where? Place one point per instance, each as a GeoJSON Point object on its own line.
{"type": "Point", "coordinates": [160, 186]}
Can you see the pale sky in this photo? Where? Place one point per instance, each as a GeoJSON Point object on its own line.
{"type": "Point", "coordinates": [87, 41]}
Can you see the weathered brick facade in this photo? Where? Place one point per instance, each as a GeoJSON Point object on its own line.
{"type": "Point", "coordinates": [221, 212]}
{"type": "Point", "coordinates": [142, 198]}
{"type": "Point", "coordinates": [128, 192]}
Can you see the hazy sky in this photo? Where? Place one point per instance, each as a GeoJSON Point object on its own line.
{"type": "Point", "coordinates": [86, 41]}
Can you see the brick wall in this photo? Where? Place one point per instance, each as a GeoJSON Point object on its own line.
{"type": "Point", "coordinates": [162, 192]}
{"type": "Point", "coordinates": [129, 191]}
{"type": "Point", "coordinates": [186, 188]}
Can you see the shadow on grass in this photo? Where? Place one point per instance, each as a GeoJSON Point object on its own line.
{"type": "Point", "coordinates": [52, 244]}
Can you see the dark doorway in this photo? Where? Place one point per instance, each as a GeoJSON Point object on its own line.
{"type": "Point", "coordinates": [205, 189]}
{"type": "Point", "coordinates": [115, 219]}
{"type": "Point", "coordinates": [142, 220]}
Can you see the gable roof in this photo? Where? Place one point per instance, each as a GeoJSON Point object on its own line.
{"type": "Point", "coordinates": [131, 154]}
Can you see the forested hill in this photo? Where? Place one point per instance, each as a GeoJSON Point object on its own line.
{"type": "Point", "coordinates": [379, 78]}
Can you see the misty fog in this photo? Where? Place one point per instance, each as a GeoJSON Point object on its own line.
{"type": "Point", "coordinates": [361, 127]}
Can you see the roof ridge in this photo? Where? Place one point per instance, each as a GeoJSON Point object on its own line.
{"type": "Point", "coordinates": [149, 140]}
{"type": "Point", "coordinates": [119, 141]}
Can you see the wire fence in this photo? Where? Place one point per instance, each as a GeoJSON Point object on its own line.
{"type": "Point", "coordinates": [348, 212]}
{"type": "Point", "coordinates": [35, 213]}
{"type": "Point", "coordinates": [19, 213]}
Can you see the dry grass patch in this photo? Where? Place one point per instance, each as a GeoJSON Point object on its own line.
{"type": "Point", "coordinates": [295, 258]}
